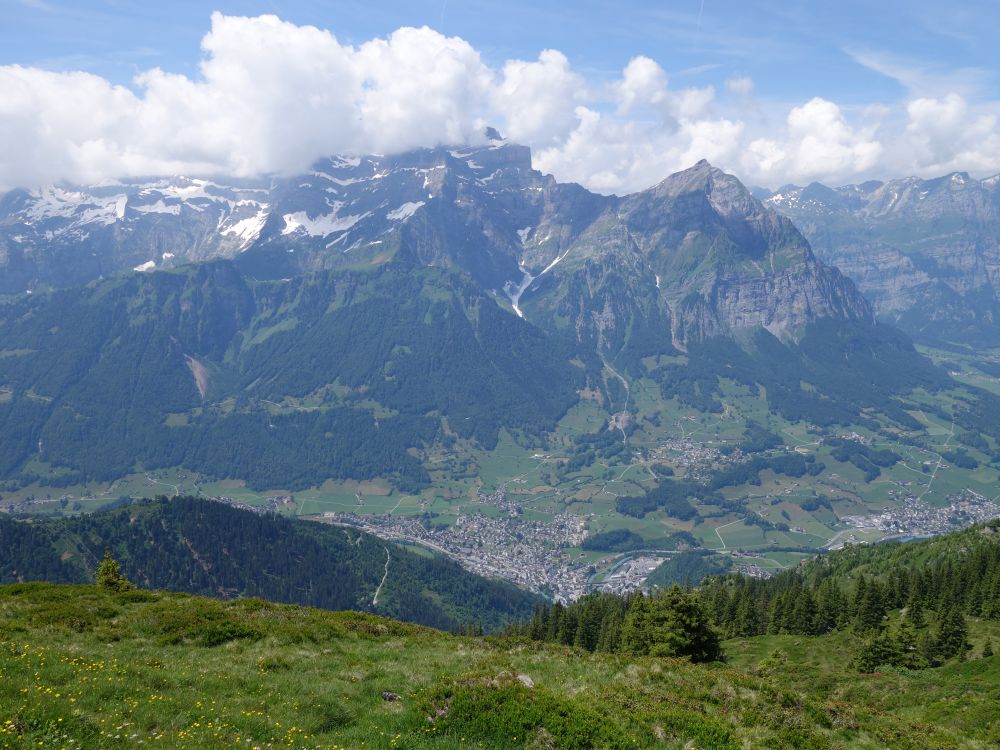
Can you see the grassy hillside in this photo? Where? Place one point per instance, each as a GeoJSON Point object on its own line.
{"type": "Point", "coordinates": [84, 667]}
{"type": "Point", "coordinates": [203, 547]}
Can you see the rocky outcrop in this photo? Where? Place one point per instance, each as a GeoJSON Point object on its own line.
{"type": "Point", "coordinates": [728, 263]}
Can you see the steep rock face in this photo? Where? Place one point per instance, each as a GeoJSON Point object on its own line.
{"type": "Point", "coordinates": [715, 259]}
{"type": "Point", "coordinates": [727, 263]}
{"type": "Point", "coordinates": [926, 252]}
{"type": "Point", "coordinates": [693, 257]}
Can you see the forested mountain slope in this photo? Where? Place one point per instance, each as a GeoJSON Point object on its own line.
{"type": "Point", "coordinates": [281, 384]}
{"type": "Point", "coordinates": [208, 548]}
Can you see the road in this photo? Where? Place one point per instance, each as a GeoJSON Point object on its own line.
{"type": "Point", "coordinates": [384, 576]}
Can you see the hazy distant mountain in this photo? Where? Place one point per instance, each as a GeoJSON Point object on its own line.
{"type": "Point", "coordinates": [925, 252]}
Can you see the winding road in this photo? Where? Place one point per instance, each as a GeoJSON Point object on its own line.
{"type": "Point", "coordinates": [384, 576]}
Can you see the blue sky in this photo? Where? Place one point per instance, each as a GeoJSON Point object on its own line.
{"type": "Point", "coordinates": [870, 59]}
{"type": "Point", "coordinates": [793, 50]}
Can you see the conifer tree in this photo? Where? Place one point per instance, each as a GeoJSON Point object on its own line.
{"type": "Point", "coordinates": [747, 623]}
{"type": "Point", "coordinates": [859, 594]}
{"type": "Point", "coordinates": [907, 647]}
{"type": "Point", "coordinates": [804, 613]}
{"type": "Point", "coordinates": [830, 606]}
{"type": "Point", "coordinates": [635, 630]}
{"type": "Point", "coordinates": [536, 629]}
{"type": "Point", "coordinates": [555, 624]}
{"type": "Point", "coordinates": [870, 607]}
{"type": "Point", "coordinates": [611, 632]}
{"type": "Point", "coordinates": [953, 635]}
{"type": "Point", "coordinates": [878, 650]}
{"type": "Point", "coordinates": [109, 574]}
{"type": "Point", "coordinates": [927, 648]}
{"type": "Point", "coordinates": [915, 610]}
{"type": "Point", "coordinates": [678, 626]}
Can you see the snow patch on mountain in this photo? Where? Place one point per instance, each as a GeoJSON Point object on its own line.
{"type": "Point", "coordinates": [515, 290]}
{"type": "Point", "coordinates": [405, 211]}
{"type": "Point", "coordinates": [248, 229]}
{"type": "Point", "coordinates": [160, 207]}
{"type": "Point", "coordinates": [321, 226]}
{"type": "Point", "coordinates": [55, 202]}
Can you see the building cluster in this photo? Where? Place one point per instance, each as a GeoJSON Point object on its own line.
{"type": "Point", "coordinates": [697, 458]}
{"type": "Point", "coordinates": [498, 499]}
{"type": "Point", "coordinates": [531, 554]}
{"type": "Point", "coordinates": [754, 571]}
{"type": "Point", "coordinates": [917, 518]}
{"type": "Point", "coordinates": [631, 574]}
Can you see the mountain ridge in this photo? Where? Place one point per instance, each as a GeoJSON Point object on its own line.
{"type": "Point", "coordinates": [434, 205]}
{"type": "Point", "coordinates": [924, 251]}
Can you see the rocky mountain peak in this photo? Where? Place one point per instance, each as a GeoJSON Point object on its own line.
{"type": "Point", "coordinates": [697, 250]}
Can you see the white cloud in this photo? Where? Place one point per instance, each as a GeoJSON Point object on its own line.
{"type": "Point", "coordinates": [741, 86]}
{"type": "Point", "coordinates": [643, 83]}
{"type": "Point", "coordinates": [947, 135]}
{"type": "Point", "coordinates": [823, 143]}
{"type": "Point", "coordinates": [539, 98]}
{"type": "Point", "coordinates": [272, 96]}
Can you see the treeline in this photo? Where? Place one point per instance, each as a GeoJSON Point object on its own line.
{"type": "Point", "coordinates": [932, 595]}
{"type": "Point", "coordinates": [669, 622]}
{"type": "Point", "coordinates": [209, 548]}
{"type": "Point", "coordinates": [907, 603]}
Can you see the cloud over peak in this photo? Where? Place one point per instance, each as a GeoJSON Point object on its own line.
{"type": "Point", "coordinates": [273, 96]}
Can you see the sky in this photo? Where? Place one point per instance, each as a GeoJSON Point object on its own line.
{"type": "Point", "coordinates": [615, 96]}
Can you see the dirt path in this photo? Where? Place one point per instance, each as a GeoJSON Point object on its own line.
{"type": "Point", "coordinates": [176, 487]}
{"type": "Point", "coordinates": [720, 535]}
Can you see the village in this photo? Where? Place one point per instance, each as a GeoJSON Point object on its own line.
{"type": "Point", "coordinates": [532, 554]}
{"type": "Point", "coordinates": [915, 518]}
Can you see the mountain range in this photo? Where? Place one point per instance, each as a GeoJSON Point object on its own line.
{"type": "Point", "coordinates": [721, 261]}
{"type": "Point", "coordinates": [339, 321]}
{"type": "Point", "coordinates": [926, 253]}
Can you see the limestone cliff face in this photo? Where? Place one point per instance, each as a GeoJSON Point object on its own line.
{"type": "Point", "coordinates": [728, 263]}
{"type": "Point", "coordinates": [692, 257]}
{"type": "Point", "coordinates": [925, 252]}
{"type": "Point", "coordinates": [713, 258]}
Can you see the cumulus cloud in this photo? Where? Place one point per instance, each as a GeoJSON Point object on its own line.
{"type": "Point", "coordinates": [539, 98]}
{"type": "Point", "coordinates": [947, 135]}
{"type": "Point", "coordinates": [272, 96]}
